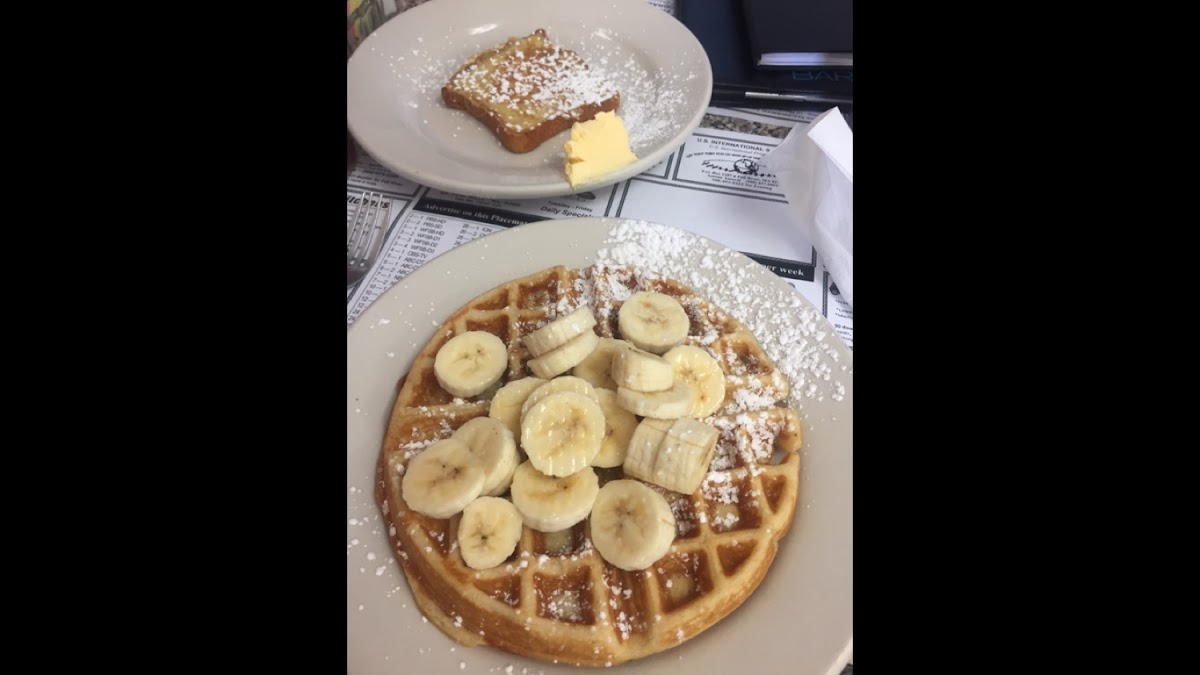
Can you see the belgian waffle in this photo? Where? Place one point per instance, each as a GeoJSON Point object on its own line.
{"type": "Point", "coordinates": [555, 598]}
{"type": "Point", "coordinates": [529, 89]}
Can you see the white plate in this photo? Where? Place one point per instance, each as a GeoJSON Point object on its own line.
{"type": "Point", "coordinates": [799, 621]}
{"type": "Point", "coordinates": [394, 106]}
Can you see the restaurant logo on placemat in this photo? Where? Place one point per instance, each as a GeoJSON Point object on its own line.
{"type": "Point", "coordinates": [745, 165]}
{"type": "Point", "coordinates": [728, 163]}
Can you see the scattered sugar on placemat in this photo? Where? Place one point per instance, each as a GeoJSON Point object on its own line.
{"type": "Point", "coordinates": [788, 329]}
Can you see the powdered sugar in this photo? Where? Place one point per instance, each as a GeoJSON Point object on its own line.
{"type": "Point", "coordinates": [566, 605]}
{"type": "Point", "coordinates": [752, 395]}
{"type": "Point", "coordinates": [539, 81]}
{"type": "Point", "coordinates": [717, 488]}
{"type": "Point", "coordinates": [791, 332]}
{"type": "Point", "coordinates": [681, 508]}
{"type": "Point", "coordinates": [653, 104]}
{"type": "Point", "coordinates": [623, 625]}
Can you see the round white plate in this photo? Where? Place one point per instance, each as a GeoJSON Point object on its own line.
{"type": "Point", "coordinates": [799, 621]}
{"type": "Point", "coordinates": [394, 79]}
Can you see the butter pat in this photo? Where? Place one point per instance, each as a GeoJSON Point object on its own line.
{"type": "Point", "coordinates": [597, 147]}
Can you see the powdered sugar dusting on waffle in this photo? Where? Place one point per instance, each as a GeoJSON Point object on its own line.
{"type": "Point", "coordinates": [790, 332]}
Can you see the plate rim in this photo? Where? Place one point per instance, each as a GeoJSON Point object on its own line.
{"type": "Point", "coordinates": [542, 190]}
{"type": "Point", "coordinates": [369, 319]}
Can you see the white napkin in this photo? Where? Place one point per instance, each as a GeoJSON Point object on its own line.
{"type": "Point", "coordinates": [815, 166]}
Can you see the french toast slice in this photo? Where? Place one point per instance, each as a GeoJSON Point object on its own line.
{"type": "Point", "coordinates": [528, 90]}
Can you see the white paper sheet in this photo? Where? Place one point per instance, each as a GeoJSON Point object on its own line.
{"type": "Point", "coordinates": [815, 166]}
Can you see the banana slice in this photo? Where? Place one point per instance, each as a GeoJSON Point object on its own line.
{"type": "Point", "coordinates": [565, 357]}
{"type": "Point", "coordinates": [643, 448]}
{"type": "Point", "coordinates": [664, 405]}
{"type": "Point", "coordinates": [560, 331]}
{"type": "Point", "coordinates": [558, 385]}
{"type": "Point", "coordinates": [619, 425]}
{"type": "Point", "coordinates": [684, 456]}
{"type": "Point", "coordinates": [506, 404]}
{"type": "Point", "coordinates": [488, 532]}
{"type": "Point", "coordinates": [489, 393]}
{"type": "Point", "coordinates": [653, 321]}
{"type": "Point", "coordinates": [562, 433]}
{"type": "Point", "coordinates": [597, 367]}
{"type": "Point", "coordinates": [699, 369]}
{"type": "Point", "coordinates": [675, 454]}
{"type": "Point", "coordinates": [470, 362]}
{"type": "Point", "coordinates": [550, 504]}
{"type": "Point", "coordinates": [443, 479]}
{"type": "Point", "coordinates": [492, 442]}
{"type": "Point", "coordinates": [632, 525]}
{"type": "Point", "coordinates": [640, 370]}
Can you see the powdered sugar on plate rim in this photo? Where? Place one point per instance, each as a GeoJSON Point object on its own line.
{"type": "Point", "coordinates": [789, 329]}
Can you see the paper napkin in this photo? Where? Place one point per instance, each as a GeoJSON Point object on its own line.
{"type": "Point", "coordinates": [815, 167]}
